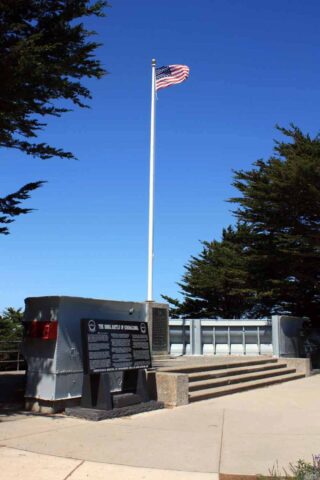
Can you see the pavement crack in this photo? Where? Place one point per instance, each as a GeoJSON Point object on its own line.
{"type": "Point", "coordinates": [7, 439]}
{"type": "Point", "coordinates": [73, 470]}
{"type": "Point", "coordinates": [221, 440]}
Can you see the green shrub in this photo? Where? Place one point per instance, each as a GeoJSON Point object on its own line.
{"type": "Point", "coordinates": [11, 325]}
{"type": "Point", "coordinates": [300, 471]}
{"type": "Point", "coordinates": [11, 330]}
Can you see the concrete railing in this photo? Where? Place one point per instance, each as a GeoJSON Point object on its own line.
{"type": "Point", "coordinates": [220, 337]}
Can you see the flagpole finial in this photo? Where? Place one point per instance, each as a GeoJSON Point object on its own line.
{"type": "Point", "coordinates": [153, 61]}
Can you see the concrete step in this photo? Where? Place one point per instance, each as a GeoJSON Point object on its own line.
{"type": "Point", "coordinates": [219, 366]}
{"type": "Point", "coordinates": [238, 378]}
{"type": "Point", "coordinates": [240, 387]}
{"type": "Point", "coordinates": [157, 358]}
{"type": "Point", "coordinates": [207, 375]}
{"type": "Point", "coordinates": [160, 362]}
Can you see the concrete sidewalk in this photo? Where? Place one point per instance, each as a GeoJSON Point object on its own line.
{"type": "Point", "coordinates": [245, 433]}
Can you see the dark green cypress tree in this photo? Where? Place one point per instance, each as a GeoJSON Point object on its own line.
{"type": "Point", "coordinates": [214, 284]}
{"type": "Point", "coordinates": [280, 204]}
{"type": "Point", "coordinates": [45, 52]}
{"type": "Point", "coordinates": [269, 263]}
{"type": "Point", "coordinates": [10, 205]}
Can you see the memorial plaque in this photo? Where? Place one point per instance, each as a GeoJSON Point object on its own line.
{"type": "Point", "coordinates": [110, 346]}
{"type": "Point", "coordinates": [159, 329]}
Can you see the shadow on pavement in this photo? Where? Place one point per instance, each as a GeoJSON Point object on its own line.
{"type": "Point", "coordinates": [12, 386]}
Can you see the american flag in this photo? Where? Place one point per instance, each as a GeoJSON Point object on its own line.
{"type": "Point", "coordinates": [170, 75]}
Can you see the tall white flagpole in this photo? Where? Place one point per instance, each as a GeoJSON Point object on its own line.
{"type": "Point", "coordinates": [151, 182]}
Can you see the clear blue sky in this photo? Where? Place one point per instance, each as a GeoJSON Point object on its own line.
{"type": "Point", "coordinates": [252, 65]}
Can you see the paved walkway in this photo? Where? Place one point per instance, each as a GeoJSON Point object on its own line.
{"type": "Point", "coordinates": [245, 433]}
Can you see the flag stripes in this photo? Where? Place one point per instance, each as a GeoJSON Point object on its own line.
{"type": "Point", "coordinates": [171, 75]}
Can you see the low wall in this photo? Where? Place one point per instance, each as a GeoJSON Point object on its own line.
{"type": "Point", "coordinates": [278, 336]}
{"type": "Point", "coordinates": [170, 388]}
{"type": "Point", "coordinates": [220, 337]}
{"type": "Point", "coordinates": [302, 365]}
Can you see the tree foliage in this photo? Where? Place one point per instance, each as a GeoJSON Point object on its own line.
{"type": "Point", "coordinates": [280, 204]}
{"type": "Point", "coordinates": [11, 330]}
{"type": "Point", "coordinates": [45, 52]}
{"type": "Point", "coordinates": [10, 205]}
{"type": "Point", "coordinates": [270, 262]}
{"type": "Point", "coordinates": [214, 284]}
{"type": "Point", "coordinates": [11, 325]}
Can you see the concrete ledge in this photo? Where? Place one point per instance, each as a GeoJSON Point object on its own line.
{"type": "Point", "coordinates": [302, 365]}
{"type": "Point", "coordinates": [172, 388]}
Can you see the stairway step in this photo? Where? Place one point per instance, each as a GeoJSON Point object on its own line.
{"type": "Point", "coordinates": [219, 366]}
{"type": "Point", "coordinates": [207, 375]}
{"type": "Point", "coordinates": [240, 387]}
{"type": "Point", "coordinates": [230, 380]}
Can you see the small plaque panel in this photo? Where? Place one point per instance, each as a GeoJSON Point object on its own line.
{"type": "Point", "coordinates": [110, 346]}
{"type": "Point", "coordinates": [159, 329]}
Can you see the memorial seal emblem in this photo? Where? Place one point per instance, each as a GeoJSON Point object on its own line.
{"type": "Point", "coordinates": [92, 327]}
{"type": "Point", "coordinates": [143, 328]}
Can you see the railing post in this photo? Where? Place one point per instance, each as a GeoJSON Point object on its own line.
{"type": "Point", "coordinates": [183, 336]}
{"type": "Point", "coordinates": [275, 335]}
{"type": "Point", "coordinates": [195, 336]}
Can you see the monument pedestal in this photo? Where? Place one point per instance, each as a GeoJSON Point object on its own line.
{"type": "Point", "coordinates": [97, 394]}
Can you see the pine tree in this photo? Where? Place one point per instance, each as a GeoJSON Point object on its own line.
{"type": "Point", "coordinates": [45, 52]}
{"type": "Point", "coordinates": [269, 263]}
{"type": "Point", "coordinates": [280, 204]}
{"type": "Point", "coordinates": [214, 284]}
